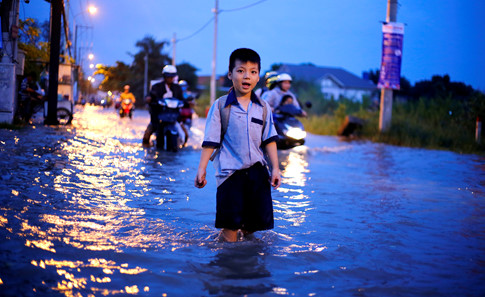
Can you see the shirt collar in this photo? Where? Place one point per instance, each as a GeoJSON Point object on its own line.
{"type": "Point", "coordinates": [232, 99]}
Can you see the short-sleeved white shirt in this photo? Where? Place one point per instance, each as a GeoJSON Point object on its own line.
{"type": "Point", "coordinates": [244, 138]}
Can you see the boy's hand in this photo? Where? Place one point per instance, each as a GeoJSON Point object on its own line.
{"type": "Point", "coordinates": [275, 178]}
{"type": "Point", "coordinates": [200, 180]}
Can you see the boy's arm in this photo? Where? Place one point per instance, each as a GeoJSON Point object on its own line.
{"type": "Point", "coordinates": [200, 180]}
{"type": "Point", "coordinates": [273, 157]}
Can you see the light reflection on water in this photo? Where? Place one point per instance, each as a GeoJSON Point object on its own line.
{"type": "Point", "coordinates": [87, 211]}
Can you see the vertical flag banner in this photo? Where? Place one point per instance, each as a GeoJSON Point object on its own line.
{"type": "Point", "coordinates": [392, 38]}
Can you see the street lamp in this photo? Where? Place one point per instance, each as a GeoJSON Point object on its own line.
{"type": "Point", "coordinates": [92, 11]}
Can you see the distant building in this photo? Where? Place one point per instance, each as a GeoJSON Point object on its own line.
{"type": "Point", "coordinates": [334, 82]}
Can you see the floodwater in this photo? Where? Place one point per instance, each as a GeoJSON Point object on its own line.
{"type": "Point", "coordinates": [87, 211]}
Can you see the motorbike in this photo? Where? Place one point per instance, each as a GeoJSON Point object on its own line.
{"type": "Point", "coordinates": [291, 132]}
{"type": "Point", "coordinates": [37, 102]}
{"type": "Point", "coordinates": [187, 111]}
{"type": "Point", "coordinates": [126, 108]}
{"type": "Point", "coordinates": [169, 133]}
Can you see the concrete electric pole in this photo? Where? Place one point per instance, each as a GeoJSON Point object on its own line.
{"type": "Point", "coordinates": [385, 115]}
{"type": "Point", "coordinates": [214, 55]}
{"type": "Point", "coordinates": [174, 41]}
{"type": "Point", "coordinates": [55, 41]}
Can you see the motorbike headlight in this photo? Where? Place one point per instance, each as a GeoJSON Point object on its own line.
{"type": "Point", "coordinates": [295, 133]}
{"type": "Point", "coordinates": [172, 103]}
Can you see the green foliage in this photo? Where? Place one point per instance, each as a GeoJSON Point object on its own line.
{"type": "Point", "coordinates": [438, 123]}
{"type": "Point", "coordinates": [186, 72]}
{"type": "Point", "coordinates": [34, 44]}
{"type": "Point", "coordinates": [114, 77]}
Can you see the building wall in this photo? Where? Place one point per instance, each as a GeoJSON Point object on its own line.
{"type": "Point", "coordinates": [330, 89]}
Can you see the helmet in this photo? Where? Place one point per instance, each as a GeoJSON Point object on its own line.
{"type": "Point", "coordinates": [271, 82]}
{"type": "Point", "coordinates": [284, 76]}
{"type": "Point", "coordinates": [169, 71]}
{"type": "Point", "coordinates": [270, 74]}
{"type": "Point", "coordinates": [183, 83]}
{"type": "Point", "coordinates": [270, 79]}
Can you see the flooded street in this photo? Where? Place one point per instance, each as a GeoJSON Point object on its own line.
{"type": "Point", "coordinates": [85, 210]}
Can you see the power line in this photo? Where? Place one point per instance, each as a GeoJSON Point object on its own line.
{"type": "Point", "coordinates": [243, 7]}
{"type": "Point", "coordinates": [210, 21]}
{"type": "Point", "coordinates": [196, 32]}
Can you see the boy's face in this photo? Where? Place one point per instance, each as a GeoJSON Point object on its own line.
{"type": "Point", "coordinates": [244, 76]}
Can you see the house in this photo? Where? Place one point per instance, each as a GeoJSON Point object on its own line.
{"type": "Point", "coordinates": [334, 82]}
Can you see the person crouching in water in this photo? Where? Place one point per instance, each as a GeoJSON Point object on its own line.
{"type": "Point", "coordinates": [243, 182]}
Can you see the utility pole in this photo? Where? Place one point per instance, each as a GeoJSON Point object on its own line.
{"type": "Point", "coordinates": [174, 41]}
{"type": "Point", "coordinates": [214, 56]}
{"type": "Point", "coordinates": [385, 115]}
{"type": "Point", "coordinates": [55, 41]}
{"type": "Point", "coordinates": [145, 77]}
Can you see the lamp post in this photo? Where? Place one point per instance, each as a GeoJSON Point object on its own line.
{"type": "Point", "coordinates": [91, 10]}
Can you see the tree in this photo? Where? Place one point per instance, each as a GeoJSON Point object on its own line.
{"type": "Point", "coordinates": [34, 44]}
{"type": "Point", "coordinates": [115, 77]}
{"type": "Point", "coordinates": [186, 72]}
{"type": "Point", "coordinates": [156, 60]}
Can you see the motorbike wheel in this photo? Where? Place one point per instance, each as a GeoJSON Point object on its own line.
{"type": "Point", "coordinates": [160, 138]}
{"type": "Point", "coordinates": [172, 142]}
{"type": "Point", "coordinates": [64, 116]}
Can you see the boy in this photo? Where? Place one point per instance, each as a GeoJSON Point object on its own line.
{"type": "Point", "coordinates": [243, 182]}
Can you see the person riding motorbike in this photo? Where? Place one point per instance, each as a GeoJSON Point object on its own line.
{"type": "Point", "coordinates": [270, 80]}
{"type": "Point", "coordinates": [286, 106]}
{"type": "Point", "coordinates": [167, 88]}
{"type": "Point", "coordinates": [274, 96]}
{"type": "Point", "coordinates": [126, 95]}
{"type": "Point", "coordinates": [189, 103]}
{"type": "Point", "coordinates": [29, 96]}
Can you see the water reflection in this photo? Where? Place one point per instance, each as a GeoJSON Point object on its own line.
{"type": "Point", "coordinates": [292, 204]}
{"type": "Point", "coordinates": [238, 269]}
{"type": "Point", "coordinates": [87, 211]}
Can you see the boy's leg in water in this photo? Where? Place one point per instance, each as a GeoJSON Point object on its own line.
{"type": "Point", "coordinates": [229, 235]}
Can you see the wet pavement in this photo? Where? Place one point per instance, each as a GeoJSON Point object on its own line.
{"type": "Point", "coordinates": [85, 210]}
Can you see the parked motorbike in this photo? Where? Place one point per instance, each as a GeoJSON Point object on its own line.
{"type": "Point", "coordinates": [169, 134]}
{"type": "Point", "coordinates": [36, 102]}
{"type": "Point", "coordinates": [291, 132]}
{"type": "Point", "coordinates": [126, 108]}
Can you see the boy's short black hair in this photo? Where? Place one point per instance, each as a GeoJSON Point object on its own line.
{"type": "Point", "coordinates": [244, 55]}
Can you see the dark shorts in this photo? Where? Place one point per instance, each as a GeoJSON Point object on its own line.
{"type": "Point", "coordinates": [244, 200]}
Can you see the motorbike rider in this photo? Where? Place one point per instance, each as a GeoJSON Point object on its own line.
{"type": "Point", "coordinates": [127, 94]}
{"type": "Point", "coordinates": [270, 80]}
{"type": "Point", "coordinates": [274, 96]}
{"type": "Point", "coordinates": [167, 88]}
{"type": "Point", "coordinates": [287, 106]}
{"type": "Point", "coordinates": [28, 93]}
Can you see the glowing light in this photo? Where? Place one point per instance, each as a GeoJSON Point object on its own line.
{"type": "Point", "coordinates": [90, 56]}
{"type": "Point", "coordinates": [92, 9]}
{"type": "Point", "coordinates": [132, 290]}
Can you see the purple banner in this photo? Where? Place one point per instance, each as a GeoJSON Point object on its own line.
{"type": "Point", "coordinates": [392, 39]}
